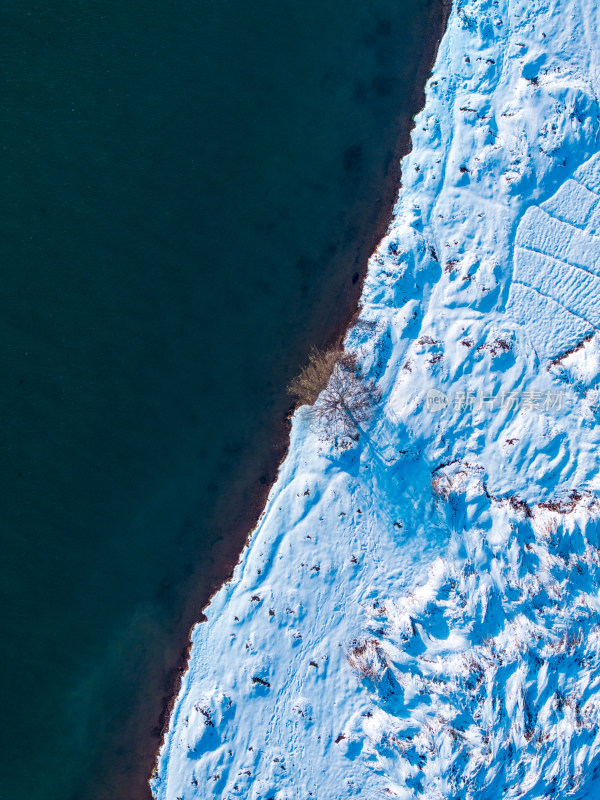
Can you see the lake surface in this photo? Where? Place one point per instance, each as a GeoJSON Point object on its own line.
{"type": "Point", "coordinates": [190, 194]}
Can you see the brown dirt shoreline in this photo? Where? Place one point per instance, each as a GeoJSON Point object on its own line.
{"type": "Point", "coordinates": [253, 495]}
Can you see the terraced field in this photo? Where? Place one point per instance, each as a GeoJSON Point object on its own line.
{"type": "Point", "coordinates": [556, 270]}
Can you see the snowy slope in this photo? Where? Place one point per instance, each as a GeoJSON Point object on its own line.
{"type": "Point", "coordinates": [418, 615]}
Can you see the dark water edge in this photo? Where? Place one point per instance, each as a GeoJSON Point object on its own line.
{"type": "Point", "coordinates": [104, 744]}
{"type": "Point", "coordinates": [380, 218]}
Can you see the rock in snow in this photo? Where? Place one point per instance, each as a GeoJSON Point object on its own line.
{"type": "Point", "coordinates": [417, 614]}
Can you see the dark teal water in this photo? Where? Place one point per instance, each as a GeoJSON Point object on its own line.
{"type": "Point", "coordinates": [188, 193]}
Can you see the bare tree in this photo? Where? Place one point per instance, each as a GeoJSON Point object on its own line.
{"type": "Point", "coordinates": [340, 399]}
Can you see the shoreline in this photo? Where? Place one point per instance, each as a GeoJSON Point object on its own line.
{"type": "Point", "coordinates": [258, 492]}
{"type": "Point", "coordinates": [343, 653]}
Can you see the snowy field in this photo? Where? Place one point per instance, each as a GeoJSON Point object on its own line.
{"type": "Point", "coordinates": [418, 615]}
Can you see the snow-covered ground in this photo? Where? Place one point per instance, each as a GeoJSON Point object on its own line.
{"type": "Point", "coordinates": [418, 615]}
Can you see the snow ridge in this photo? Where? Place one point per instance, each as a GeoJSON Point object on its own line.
{"type": "Point", "coordinates": [417, 615]}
